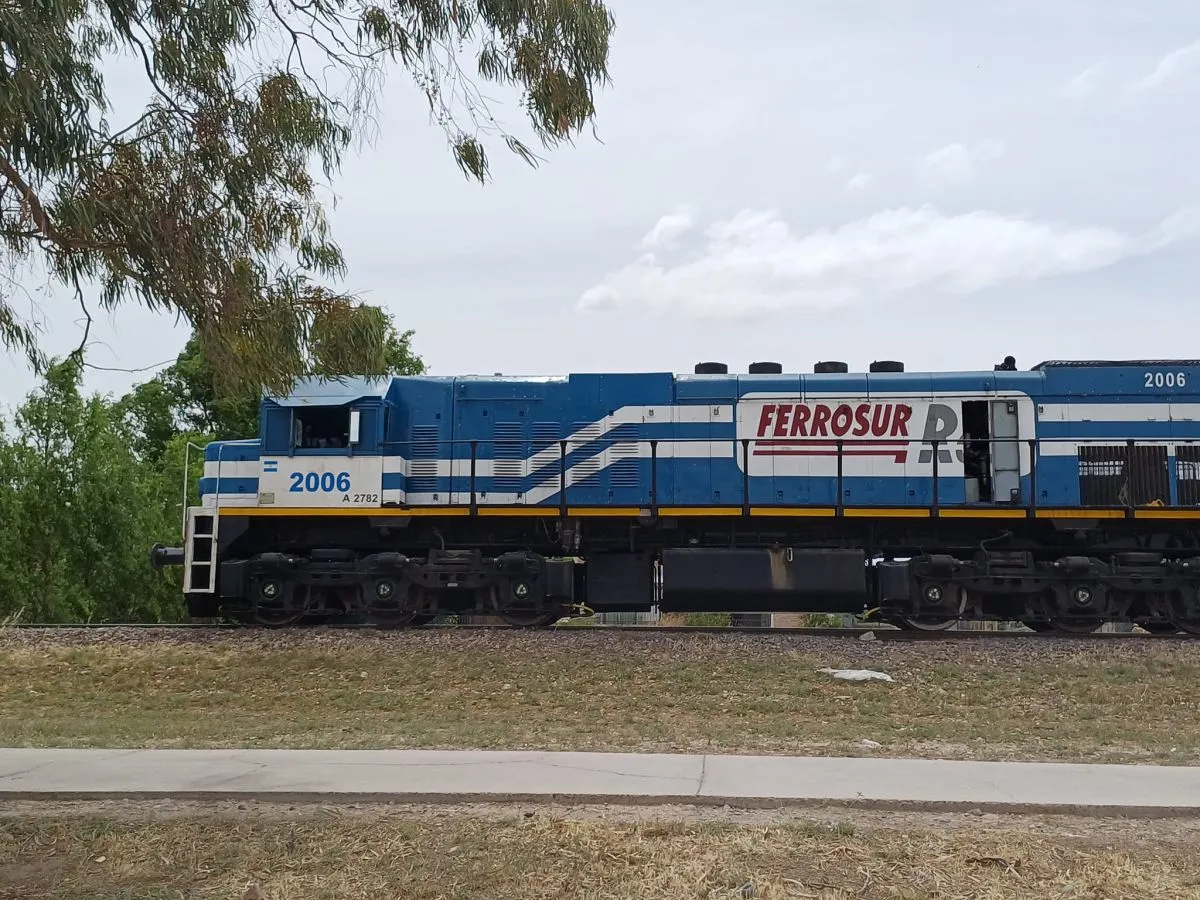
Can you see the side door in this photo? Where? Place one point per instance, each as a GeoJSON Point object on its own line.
{"type": "Point", "coordinates": [1006, 452]}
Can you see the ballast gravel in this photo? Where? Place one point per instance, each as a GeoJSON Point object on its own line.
{"type": "Point", "coordinates": [850, 652]}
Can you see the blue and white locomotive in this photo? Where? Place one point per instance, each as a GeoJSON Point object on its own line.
{"type": "Point", "coordinates": [1065, 497]}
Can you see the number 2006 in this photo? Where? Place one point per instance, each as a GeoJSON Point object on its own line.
{"type": "Point", "coordinates": [1165, 379]}
{"type": "Point", "coordinates": [314, 482]}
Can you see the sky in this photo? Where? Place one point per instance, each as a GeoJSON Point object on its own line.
{"type": "Point", "coordinates": [934, 182]}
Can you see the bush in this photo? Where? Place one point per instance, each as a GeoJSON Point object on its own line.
{"type": "Point", "coordinates": [708, 620]}
{"type": "Point", "coordinates": [79, 512]}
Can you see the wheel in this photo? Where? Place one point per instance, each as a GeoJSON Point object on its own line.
{"type": "Point", "coordinates": [530, 619]}
{"type": "Point", "coordinates": [392, 604]}
{"type": "Point", "coordinates": [393, 620]}
{"type": "Point", "coordinates": [1050, 611]}
{"type": "Point", "coordinates": [1180, 610]}
{"type": "Point", "coordinates": [924, 623]}
{"type": "Point", "coordinates": [280, 603]}
{"type": "Point", "coordinates": [1076, 625]}
{"type": "Point", "coordinates": [519, 603]}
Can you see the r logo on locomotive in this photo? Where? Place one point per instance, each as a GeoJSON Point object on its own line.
{"type": "Point", "coordinates": [796, 437]}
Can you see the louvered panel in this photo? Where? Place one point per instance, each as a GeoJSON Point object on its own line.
{"type": "Point", "coordinates": [585, 470]}
{"type": "Point", "coordinates": [546, 436]}
{"type": "Point", "coordinates": [509, 454]}
{"type": "Point", "coordinates": [623, 457]}
{"type": "Point", "coordinates": [546, 451]}
{"type": "Point", "coordinates": [423, 468]}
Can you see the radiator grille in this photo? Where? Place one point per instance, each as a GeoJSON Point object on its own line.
{"type": "Point", "coordinates": [1187, 473]}
{"type": "Point", "coordinates": [1120, 475]}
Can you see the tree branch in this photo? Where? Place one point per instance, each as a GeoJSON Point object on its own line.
{"type": "Point", "coordinates": [33, 203]}
{"type": "Point", "coordinates": [157, 365]}
{"type": "Point", "coordinates": [77, 353]}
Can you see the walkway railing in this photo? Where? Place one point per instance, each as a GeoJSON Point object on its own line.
{"type": "Point", "coordinates": [1110, 474]}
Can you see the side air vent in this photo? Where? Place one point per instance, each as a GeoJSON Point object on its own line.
{"type": "Point", "coordinates": [712, 368]}
{"type": "Point", "coordinates": [829, 368]}
{"type": "Point", "coordinates": [623, 457]}
{"type": "Point", "coordinates": [583, 456]}
{"type": "Point", "coordinates": [423, 468]}
{"type": "Point", "coordinates": [508, 465]}
{"type": "Point", "coordinates": [766, 368]}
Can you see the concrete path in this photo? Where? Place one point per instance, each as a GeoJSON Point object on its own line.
{"type": "Point", "coordinates": [422, 776]}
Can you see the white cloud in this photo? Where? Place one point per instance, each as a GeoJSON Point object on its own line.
{"type": "Point", "coordinates": [754, 263]}
{"type": "Point", "coordinates": [668, 228]}
{"type": "Point", "coordinates": [990, 149]}
{"type": "Point", "coordinates": [1176, 64]}
{"type": "Point", "coordinates": [859, 182]}
{"type": "Point", "coordinates": [1083, 85]}
{"type": "Point", "coordinates": [949, 167]}
{"type": "Point", "coordinates": [835, 165]}
{"type": "Point", "coordinates": [956, 166]}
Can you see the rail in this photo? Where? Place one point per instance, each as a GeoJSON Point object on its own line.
{"type": "Point", "coordinates": [854, 632]}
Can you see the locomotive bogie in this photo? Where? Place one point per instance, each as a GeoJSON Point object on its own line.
{"type": "Point", "coordinates": [392, 589]}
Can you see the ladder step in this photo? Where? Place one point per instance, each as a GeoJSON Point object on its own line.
{"type": "Point", "coordinates": [200, 554]}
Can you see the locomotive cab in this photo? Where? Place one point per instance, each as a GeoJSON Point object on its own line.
{"type": "Point", "coordinates": [322, 445]}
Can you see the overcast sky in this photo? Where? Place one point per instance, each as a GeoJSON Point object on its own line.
{"type": "Point", "coordinates": [935, 182]}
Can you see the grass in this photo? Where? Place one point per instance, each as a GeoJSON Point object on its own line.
{"type": "Point", "coordinates": [1015, 699]}
{"type": "Point", "coordinates": [334, 853]}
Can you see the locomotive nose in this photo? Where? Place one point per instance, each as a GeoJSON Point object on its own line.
{"type": "Point", "coordinates": [161, 557]}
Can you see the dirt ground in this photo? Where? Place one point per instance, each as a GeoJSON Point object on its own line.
{"type": "Point", "coordinates": [153, 851]}
{"type": "Point", "coordinates": [1027, 698]}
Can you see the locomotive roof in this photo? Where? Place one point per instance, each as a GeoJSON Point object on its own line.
{"type": "Point", "coordinates": [326, 391]}
{"type": "Point", "coordinates": [1112, 363]}
{"type": "Point", "coordinates": [332, 391]}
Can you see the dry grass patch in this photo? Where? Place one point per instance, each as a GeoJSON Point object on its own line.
{"type": "Point", "coordinates": [1012, 699]}
{"type": "Point", "coordinates": [338, 853]}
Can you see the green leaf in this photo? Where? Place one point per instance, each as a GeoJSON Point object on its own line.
{"type": "Point", "coordinates": [205, 206]}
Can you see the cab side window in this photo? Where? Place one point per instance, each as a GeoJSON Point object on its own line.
{"type": "Point", "coordinates": [322, 428]}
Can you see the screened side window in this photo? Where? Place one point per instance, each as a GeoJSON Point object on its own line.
{"type": "Point", "coordinates": [321, 428]}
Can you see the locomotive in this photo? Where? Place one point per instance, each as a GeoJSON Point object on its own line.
{"type": "Point", "coordinates": [1065, 497]}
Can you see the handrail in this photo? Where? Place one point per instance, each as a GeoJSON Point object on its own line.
{"type": "Point", "coordinates": [187, 468]}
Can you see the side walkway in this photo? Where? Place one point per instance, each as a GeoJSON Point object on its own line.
{"type": "Point", "coordinates": [425, 776]}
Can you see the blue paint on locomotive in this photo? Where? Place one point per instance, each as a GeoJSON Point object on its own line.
{"type": "Point", "coordinates": [427, 429]}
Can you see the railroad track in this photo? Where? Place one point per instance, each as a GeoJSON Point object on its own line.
{"type": "Point", "coordinates": [880, 633]}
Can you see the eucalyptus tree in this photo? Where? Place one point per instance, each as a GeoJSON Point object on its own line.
{"type": "Point", "coordinates": [204, 205]}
